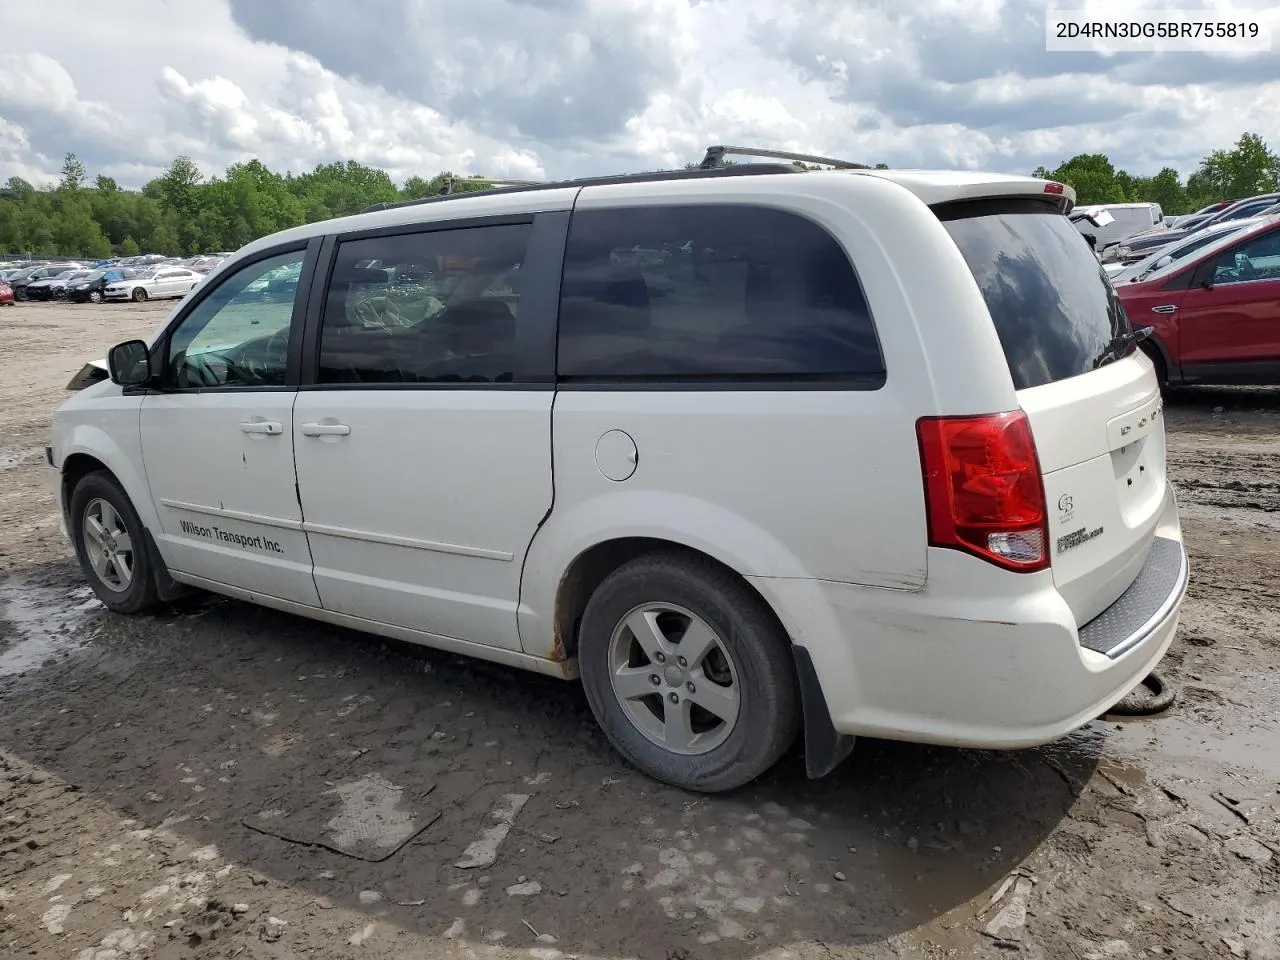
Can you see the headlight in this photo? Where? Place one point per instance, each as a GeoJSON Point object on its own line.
{"type": "Point", "coordinates": [1124, 252]}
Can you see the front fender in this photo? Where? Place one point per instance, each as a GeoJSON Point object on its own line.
{"type": "Point", "coordinates": [686, 521]}
{"type": "Point", "coordinates": [118, 446]}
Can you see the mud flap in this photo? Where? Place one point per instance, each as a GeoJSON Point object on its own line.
{"type": "Point", "coordinates": [824, 748]}
{"type": "Point", "coordinates": [167, 589]}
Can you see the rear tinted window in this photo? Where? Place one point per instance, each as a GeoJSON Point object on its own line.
{"type": "Point", "coordinates": [440, 306]}
{"type": "Point", "coordinates": [712, 292]}
{"type": "Point", "coordinates": [1050, 300]}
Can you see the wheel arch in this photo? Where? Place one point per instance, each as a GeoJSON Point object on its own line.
{"type": "Point", "coordinates": [88, 448]}
{"type": "Point", "coordinates": [587, 536]}
{"type": "Point", "coordinates": [588, 570]}
{"type": "Point", "coordinates": [1154, 347]}
{"type": "Point", "coordinates": [824, 748]}
{"type": "Point", "coordinates": [78, 465]}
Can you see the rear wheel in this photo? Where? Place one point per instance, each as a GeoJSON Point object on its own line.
{"type": "Point", "coordinates": [111, 544]}
{"type": "Point", "coordinates": [688, 673]}
{"type": "Point", "coordinates": [139, 295]}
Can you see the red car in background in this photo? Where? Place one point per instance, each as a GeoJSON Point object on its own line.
{"type": "Point", "coordinates": [6, 294]}
{"type": "Point", "coordinates": [1216, 314]}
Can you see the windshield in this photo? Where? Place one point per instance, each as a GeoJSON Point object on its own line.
{"type": "Point", "coordinates": [1052, 304]}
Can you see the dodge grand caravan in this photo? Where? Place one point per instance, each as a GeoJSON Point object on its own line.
{"type": "Point", "coordinates": [756, 453]}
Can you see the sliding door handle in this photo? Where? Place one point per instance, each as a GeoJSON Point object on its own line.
{"type": "Point", "coordinates": [325, 429]}
{"type": "Point", "coordinates": [270, 428]}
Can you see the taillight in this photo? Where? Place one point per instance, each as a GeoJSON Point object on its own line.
{"type": "Point", "coordinates": [1054, 188]}
{"type": "Point", "coordinates": [983, 488]}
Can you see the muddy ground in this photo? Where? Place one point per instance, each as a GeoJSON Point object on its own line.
{"type": "Point", "coordinates": [150, 767]}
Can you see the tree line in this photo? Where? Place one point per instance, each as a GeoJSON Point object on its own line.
{"type": "Point", "coordinates": [183, 212]}
{"type": "Point", "coordinates": [1249, 167]}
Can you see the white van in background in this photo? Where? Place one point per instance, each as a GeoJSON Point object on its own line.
{"type": "Point", "coordinates": [1109, 223]}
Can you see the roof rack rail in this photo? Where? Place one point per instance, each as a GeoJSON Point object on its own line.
{"type": "Point", "coordinates": [715, 157]}
{"type": "Point", "coordinates": [736, 170]}
{"type": "Point", "coordinates": [447, 189]}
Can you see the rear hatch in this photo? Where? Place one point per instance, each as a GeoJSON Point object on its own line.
{"type": "Point", "coordinates": [1093, 404]}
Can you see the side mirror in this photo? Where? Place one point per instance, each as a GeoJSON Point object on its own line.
{"type": "Point", "coordinates": [130, 363]}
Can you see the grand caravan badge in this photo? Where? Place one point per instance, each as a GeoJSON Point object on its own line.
{"type": "Point", "coordinates": [1072, 540]}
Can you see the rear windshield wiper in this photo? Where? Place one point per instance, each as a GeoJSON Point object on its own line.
{"type": "Point", "coordinates": [1118, 347]}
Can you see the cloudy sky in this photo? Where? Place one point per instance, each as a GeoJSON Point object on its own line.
{"type": "Point", "coordinates": [534, 88]}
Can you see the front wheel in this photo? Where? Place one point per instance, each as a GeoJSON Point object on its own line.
{"type": "Point", "coordinates": [111, 544]}
{"type": "Point", "coordinates": [20, 294]}
{"type": "Point", "coordinates": [139, 295]}
{"type": "Point", "coordinates": [95, 296]}
{"type": "Point", "coordinates": [688, 673]}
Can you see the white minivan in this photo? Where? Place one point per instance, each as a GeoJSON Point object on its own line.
{"type": "Point", "coordinates": [754, 452]}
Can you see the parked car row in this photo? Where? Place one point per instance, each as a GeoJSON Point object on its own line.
{"type": "Point", "coordinates": [148, 277]}
{"type": "Point", "coordinates": [85, 284]}
{"type": "Point", "coordinates": [1212, 303]}
{"type": "Point", "coordinates": [1124, 234]}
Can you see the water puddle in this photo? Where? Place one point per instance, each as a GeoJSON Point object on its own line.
{"type": "Point", "coordinates": [45, 621]}
{"type": "Point", "coordinates": [1208, 729]}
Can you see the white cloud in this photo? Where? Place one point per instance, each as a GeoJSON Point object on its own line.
{"type": "Point", "coordinates": [532, 88]}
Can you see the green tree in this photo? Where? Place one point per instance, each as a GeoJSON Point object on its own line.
{"type": "Point", "coordinates": [129, 247]}
{"type": "Point", "coordinates": [177, 187]}
{"type": "Point", "coordinates": [18, 189]}
{"type": "Point", "coordinates": [74, 173]}
{"type": "Point", "coordinates": [1249, 168]}
{"type": "Point", "coordinates": [415, 188]}
{"type": "Point", "coordinates": [343, 188]}
{"type": "Point", "coordinates": [1093, 177]}
{"type": "Point", "coordinates": [1167, 190]}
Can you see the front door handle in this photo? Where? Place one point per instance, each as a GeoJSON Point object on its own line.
{"type": "Point", "coordinates": [1165, 308]}
{"type": "Point", "coordinates": [325, 429]}
{"type": "Point", "coordinates": [269, 427]}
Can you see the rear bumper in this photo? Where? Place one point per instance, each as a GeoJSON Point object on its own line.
{"type": "Point", "coordinates": [982, 666]}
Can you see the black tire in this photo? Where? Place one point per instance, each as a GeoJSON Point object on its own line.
{"type": "Point", "coordinates": [1153, 695]}
{"type": "Point", "coordinates": [95, 296]}
{"type": "Point", "coordinates": [139, 295]}
{"type": "Point", "coordinates": [20, 293]}
{"type": "Point", "coordinates": [141, 592]}
{"type": "Point", "coordinates": [768, 718]}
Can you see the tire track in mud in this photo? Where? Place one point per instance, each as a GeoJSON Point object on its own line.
{"type": "Point", "coordinates": [1229, 476]}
